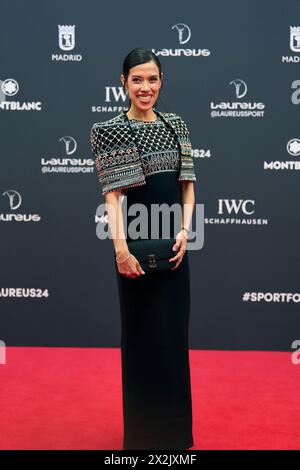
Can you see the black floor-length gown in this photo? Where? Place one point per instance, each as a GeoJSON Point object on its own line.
{"type": "Point", "coordinates": [155, 309]}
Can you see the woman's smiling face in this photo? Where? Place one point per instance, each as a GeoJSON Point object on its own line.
{"type": "Point", "coordinates": [143, 86]}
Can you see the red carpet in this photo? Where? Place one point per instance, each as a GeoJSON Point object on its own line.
{"type": "Point", "coordinates": [70, 398]}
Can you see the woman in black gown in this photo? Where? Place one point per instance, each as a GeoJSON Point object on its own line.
{"type": "Point", "coordinates": [154, 307]}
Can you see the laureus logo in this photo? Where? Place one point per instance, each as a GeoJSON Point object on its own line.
{"type": "Point", "coordinates": [67, 163]}
{"type": "Point", "coordinates": [184, 35]}
{"type": "Point", "coordinates": [69, 143]}
{"type": "Point", "coordinates": [14, 198]}
{"type": "Point", "coordinates": [15, 201]}
{"type": "Point", "coordinates": [184, 32]}
{"type": "Point", "coordinates": [237, 108]}
{"type": "Point", "coordinates": [240, 87]}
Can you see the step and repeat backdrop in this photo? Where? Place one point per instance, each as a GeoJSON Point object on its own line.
{"type": "Point", "coordinates": [231, 71]}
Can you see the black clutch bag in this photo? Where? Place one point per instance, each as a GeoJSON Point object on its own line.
{"type": "Point", "coordinates": [153, 254]}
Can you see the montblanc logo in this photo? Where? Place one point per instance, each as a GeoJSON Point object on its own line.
{"type": "Point", "coordinates": [115, 97]}
{"type": "Point", "coordinates": [237, 108]}
{"type": "Point", "coordinates": [9, 88]}
{"type": "Point", "coordinates": [66, 42]}
{"type": "Point", "coordinates": [184, 35]}
{"type": "Point", "coordinates": [294, 45]}
{"type": "Point", "coordinates": [14, 202]}
{"type": "Point", "coordinates": [236, 212]}
{"type": "Point", "coordinates": [67, 164]}
{"type": "Point", "coordinates": [293, 149]}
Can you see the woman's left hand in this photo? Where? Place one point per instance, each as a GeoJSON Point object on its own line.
{"type": "Point", "coordinates": [180, 245]}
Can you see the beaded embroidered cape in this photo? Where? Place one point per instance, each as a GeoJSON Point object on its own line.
{"type": "Point", "coordinates": [118, 160]}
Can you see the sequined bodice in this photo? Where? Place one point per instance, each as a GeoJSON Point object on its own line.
{"type": "Point", "coordinates": [158, 146]}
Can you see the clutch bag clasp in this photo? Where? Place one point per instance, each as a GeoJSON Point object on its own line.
{"type": "Point", "coordinates": [152, 261]}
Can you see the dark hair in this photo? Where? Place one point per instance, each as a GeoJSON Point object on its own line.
{"type": "Point", "coordinates": [138, 56]}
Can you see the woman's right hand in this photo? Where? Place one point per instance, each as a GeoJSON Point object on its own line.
{"type": "Point", "coordinates": [130, 268]}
